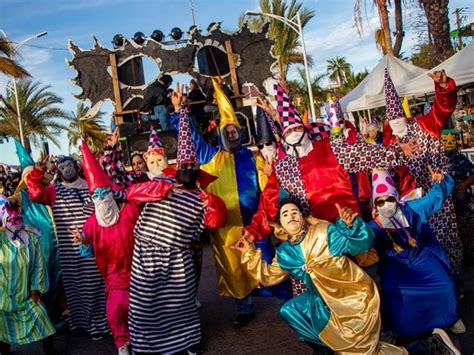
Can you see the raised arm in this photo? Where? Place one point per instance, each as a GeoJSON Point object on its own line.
{"type": "Point", "coordinates": [361, 156]}
{"type": "Point", "coordinates": [204, 150]}
{"type": "Point", "coordinates": [39, 193]}
{"type": "Point", "coordinates": [112, 163]}
{"type": "Point", "coordinates": [443, 106]}
{"type": "Point", "coordinates": [434, 199]}
{"type": "Point", "coordinates": [353, 240]}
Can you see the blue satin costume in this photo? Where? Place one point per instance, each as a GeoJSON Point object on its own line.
{"type": "Point", "coordinates": [417, 287]}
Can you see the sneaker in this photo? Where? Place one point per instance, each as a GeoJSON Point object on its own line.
{"type": "Point", "coordinates": [442, 343]}
{"type": "Point", "coordinates": [243, 319]}
{"type": "Point", "coordinates": [124, 349]}
{"type": "Point", "coordinates": [194, 350]}
{"type": "Point", "coordinates": [458, 327]}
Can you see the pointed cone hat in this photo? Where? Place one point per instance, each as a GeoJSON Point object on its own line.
{"type": "Point", "coordinates": [95, 175]}
{"type": "Point", "coordinates": [393, 104]}
{"type": "Point", "coordinates": [287, 113]}
{"type": "Point", "coordinates": [264, 129]}
{"type": "Point", "coordinates": [154, 144]}
{"type": "Point", "coordinates": [186, 147]}
{"type": "Point", "coordinates": [335, 115]}
{"type": "Point", "coordinates": [226, 111]}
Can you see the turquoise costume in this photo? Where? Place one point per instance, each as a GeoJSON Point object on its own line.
{"type": "Point", "coordinates": [341, 308]}
{"type": "Point", "coordinates": [39, 216]}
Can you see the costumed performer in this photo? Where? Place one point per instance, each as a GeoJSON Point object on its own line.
{"type": "Point", "coordinates": [163, 315]}
{"type": "Point", "coordinates": [341, 306]}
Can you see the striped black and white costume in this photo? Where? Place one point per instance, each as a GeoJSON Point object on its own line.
{"type": "Point", "coordinates": [83, 283]}
{"type": "Point", "coordinates": [163, 316]}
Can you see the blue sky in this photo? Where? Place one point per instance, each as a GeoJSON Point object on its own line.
{"type": "Point", "coordinates": [331, 33]}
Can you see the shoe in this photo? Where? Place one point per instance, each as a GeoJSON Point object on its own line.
{"type": "Point", "coordinates": [195, 350]}
{"type": "Point", "coordinates": [442, 343]}
{"type": "Point", "coordinates": [243, 319]}
{"type": "Point", "coordinates": [458, 327]}
{"type": "Point", "coordinates": [124, 349]}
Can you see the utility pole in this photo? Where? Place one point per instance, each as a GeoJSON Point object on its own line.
{"type": "Point", "coordinates": [458, 25]}
{"type": "Point", "coordinates": [192, 12]}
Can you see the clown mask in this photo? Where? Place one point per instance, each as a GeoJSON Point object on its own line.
{"type": "Point", "coordinates": [156, 163]}
{"type": "Point", "coordinates": [291, 219]}
{"type": "Point", "coordinates": [449, 140]}
{"type": "Point", "coordinates": [106, 209]}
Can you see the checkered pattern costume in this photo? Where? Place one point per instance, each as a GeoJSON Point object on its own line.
{"type": "Point", "coordinates": [426, 131]}
{"type": "Point", "coordinates": [186, 146]}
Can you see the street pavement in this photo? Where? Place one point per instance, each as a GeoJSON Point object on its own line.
{"type": "Point", "coordinates": [266, 335]}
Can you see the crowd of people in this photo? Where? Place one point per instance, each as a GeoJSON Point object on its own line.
{"type": "Point", "coordinates": [299, 218]}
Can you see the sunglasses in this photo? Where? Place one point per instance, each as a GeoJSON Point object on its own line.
{"type": "Point", "coordinates": [380, 203]}
{"type": "Point", "coordinates": [260, 146]}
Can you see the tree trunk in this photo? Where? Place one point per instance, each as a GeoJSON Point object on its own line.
{"type": "Point", "coordinates": [399, 34]}
{"type": "Point", "coordinates": [383, 13]}
{"type": "Point", "coordinates": [436, 12]}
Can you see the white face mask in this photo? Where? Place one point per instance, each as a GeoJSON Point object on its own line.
{"type": "Point", "coordinates": [107, 211]}
{"type": "Point", "coordinates": [399, 126]}
{"type": "Point", "coordinates": [294, 137]}
{"type": "Point", "coordinates": [388, 209]}
{"type": "Point", "coordinates": [300, 149]}
{"type": "Point", "coordinates": [155, 171]}
{"type": "Point", "coordinates": [269, 152]}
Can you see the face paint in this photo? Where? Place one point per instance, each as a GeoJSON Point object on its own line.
{"type": "Point", "coordinates": [68, 170]}
{"type": "Point", "coordinates": [291, 219]}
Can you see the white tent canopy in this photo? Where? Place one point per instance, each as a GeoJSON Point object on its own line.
{"type": "Point", "coordinates": [460, 67]}
{"type": "Point", "coordinates": [370, 92]}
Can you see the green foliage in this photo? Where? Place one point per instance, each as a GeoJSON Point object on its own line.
{"type": "Point", "coordinates": [287, 47]}
{"type": "Point", "coordinates": [83, 125]}
{"type": "Point", "coordinates": [39, 113]}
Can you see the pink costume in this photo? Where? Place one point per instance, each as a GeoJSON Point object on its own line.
{"type": "Point", "coordinates": [112, 247]}
{"type": "Point", "coordinates": [113, 250]}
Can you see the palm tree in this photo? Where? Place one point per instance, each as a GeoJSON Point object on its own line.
{"type": "Point", "coordinates": [338, 70]}
{"type": "Point", "coordinates": [287, 42]}
{"type": "Point", "coordinates": [437, 14]}
{"type": "Point", "coordinates": [7, 65]}
{"type": "Point", "coordinates": [299, 90]}
{"type": "Point", "coordinates": [383, 37]}
{"type": "Point", "coordinates": [353, 80]}
{"type": "Point", "coordinates": [82, 125]}
{"type": "Point", "coordinates": [39, 113]}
